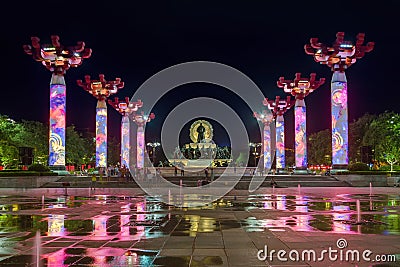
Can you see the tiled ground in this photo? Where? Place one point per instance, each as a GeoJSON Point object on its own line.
{"type": "Point", "coordinates": [123, 227]}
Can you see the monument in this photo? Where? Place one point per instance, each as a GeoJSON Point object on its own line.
{"type": "Point", "coordinates": [201, 152]}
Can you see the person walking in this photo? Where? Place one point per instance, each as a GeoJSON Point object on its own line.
{"type": "Point", "coordinates": [93, 183]}
{"type": "Point", "coordinates": [182, 170]}
{"type": "Point", "coordinates": [273, 182]}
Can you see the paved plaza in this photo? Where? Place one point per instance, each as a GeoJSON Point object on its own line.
{"type": "Point", "coordinates": [124, 227]}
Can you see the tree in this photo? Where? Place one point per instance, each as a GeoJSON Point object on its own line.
{"type": "Point", "coordinates": [320, 148]}
{"type": "Point", "coordinates": [384, 136]}
{"type": "Point", "coordinates": [34, 134]}
{"type": "Point", "coordinates": [113, 150]}
{"type": "Point", "coordinates": [357, 130]}
{"type": "Point", "coordinates": [391, 154]}
{"type": "Point", "coordinates": [9, 157]}
{"type": "Point", "coordinates": [79, 149]}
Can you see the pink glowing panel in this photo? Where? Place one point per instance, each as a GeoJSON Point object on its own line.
{"type": "Point", "coordinates": [300, 137]}
{"type": "Point", "coordinates": [125, 141]}
{"type": "Point", "coordinates": [57, 124]}
{"type": "Point", "coordinates": [140, 147]}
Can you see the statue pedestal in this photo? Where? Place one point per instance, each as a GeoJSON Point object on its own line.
{"type": "Point", "coordinates": [199, 163]}
{"type": "Point", "coordinates": [200, 145]}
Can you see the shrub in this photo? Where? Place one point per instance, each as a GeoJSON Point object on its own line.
{"type": "Point", "coordinates": [18, 174]}
{"type": "Point", "coordinates": [387, 168]}
{"type": "Point", "coordinates": [38, 168]}
{"type": "Point", "coordinates": [358, 166]}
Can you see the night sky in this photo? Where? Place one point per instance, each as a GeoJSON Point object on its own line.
{"type": "Point", "coordinates": [263, 39]}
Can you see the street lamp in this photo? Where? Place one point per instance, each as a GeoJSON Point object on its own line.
{"type": "Point", "coordinates": [153, 145]}
{"type": "Point", "coordinates": [255, 153]}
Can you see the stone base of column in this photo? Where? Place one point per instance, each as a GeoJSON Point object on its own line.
{"type": "Point", "coordinates": [340, 167]}
{"type": "Point", "coordinates": [300, 171]}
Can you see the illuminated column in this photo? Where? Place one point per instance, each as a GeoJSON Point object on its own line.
{"type": "Point", "coordinates": [266, 119]}
{"type": "Point", "coordinates": [280, 142]}
{"type": "Point", "coordinates": [278, 108]}
{"type": "Point", "coordinates": [300, 134]}
{"type": "Point", "coordinates": [125, 141]}
{"type": "Point", "coordinates": [140, 147]}
{"type": "Point", "coordinates": [101, 89]}
{"type": "Point", "coordinates": [57, 59]}
{"type": "Point", "coordinates": [141, 120]}
{"type": "Point", "coordinates": [101, 134]}
{"type": "Point", "coordinates": [339, 57]}
{"type": "Point", "coordinates": [300, 88]}
{"type": "Point", "coordinates": [340, 145]}
{"type": "Point", "coordinates": [57, 120]}
{"type": "Point", "coordinates": [267, 146]}
{"type": "Point", "coordinates": [125, 108]}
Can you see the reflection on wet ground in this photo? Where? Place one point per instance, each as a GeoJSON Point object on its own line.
{"type": "Point", "coordinates": [108, 230]}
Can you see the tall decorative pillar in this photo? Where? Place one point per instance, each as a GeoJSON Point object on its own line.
{"type": "Point", "coordinates": [339, 57]}
{"type": "Point", "coordinates": [101, 90]}
{"type": "Point", "coordinates": [141, 120]}
{"type": "Point", "coordinates": [126, 109]}
{"type": "Point", "coordinates": [57, 58]}
{"type": "Point", "coordinates": [300, 88]}
{"type": "Point", "coordinates": [266, 118]}
{"type": "Point", "coordinates": [278, 108]}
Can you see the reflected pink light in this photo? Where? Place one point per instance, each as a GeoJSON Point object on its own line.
{"type": "Point", "coordinates": [301, 204]}
{"type": "Point", "coordinates": [140, 207]}
{"type": "Point", "coordinates": [55, 225]}
{"type": "Point", "coordinates": [281, 202]}
{"type": "Point", "coordinates": [338, 218]}
{"type": "Point", "coordinates": [100, 225]}
{"type": "Point", "coordinates": [56, 259]}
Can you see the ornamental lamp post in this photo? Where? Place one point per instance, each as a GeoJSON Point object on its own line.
{"type": "Point", "coordinates": [300, 88]}
{"type": "Point", "coordinates": [339, 57]}
{"type": "Point", "coordinates": [126, 109]}
{"type": "Point", "coordinates": [101, 89]}
{"type": "Point", "coordinates": [57, 58]}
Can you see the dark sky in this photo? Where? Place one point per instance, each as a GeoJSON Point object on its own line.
{"type": "Point", "coordinates": [135, 39]}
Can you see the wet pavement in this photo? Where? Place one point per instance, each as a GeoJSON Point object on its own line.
{"type": "Point", "coordinates": [124, 227]}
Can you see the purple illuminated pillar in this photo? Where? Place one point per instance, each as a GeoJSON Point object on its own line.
{"type": "Point", "coordinates": [140, 147]}
{"type": "Point", "coordinates": [125, 141]}
{"type": "Point", "coordinates": [339, 120]}
{"type": "Point", "coordinates": [267, 146]}
{"type": "Point", "coordinates": [101, 134]}
{"type": "Point", "coordinates": [57, 120]}
{"type": "Point", "coordinates": [280, 142]}
{"type": "Point", "coordinates": [300, 134]}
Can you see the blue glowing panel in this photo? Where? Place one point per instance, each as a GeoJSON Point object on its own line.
{"type": "Point", "coordinates": [57, 124]}
{"type": "Point", "coordinates": [300, 137]}
{"type": "Point", "coordinates": [280, 144]}
{"type": "Point", "coordinates": [101, 137]}
{"type": "Point", "coordinates": [339, 123]}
